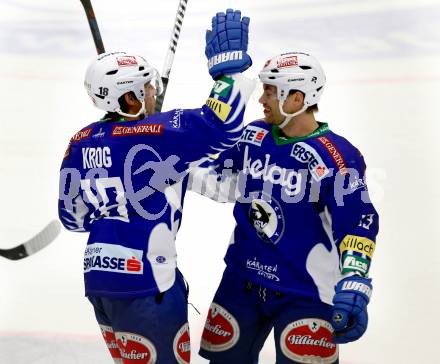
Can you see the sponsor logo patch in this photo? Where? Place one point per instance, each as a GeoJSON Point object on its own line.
{"type": "Point", "coordinates": [335, 154]}
{"type": "Point", "coordinates": [223, 86]}
{"type": "Point", "coordinates": [309, 341]}
{"type": "Point", "coordinates": [221, 330]}
{"type": "Point", "coordinates": [290, 61]}
{"type": "Point", "coordinates": [303, 152]}
{"type": "Point", "coordinates": [113, 258]}
{"type": "Point", "coordinates": [357, 184]}
{"type": "Point", "coordinates": [136, 349]}
{"type": "Point", "coordinates": [182, 345]}
{"type": "Point", "coordinates": [265, 270]}
{"type": "Point", "coordinates": [253, 135]}
{"type": "Point", "coordinates": [221, 109]}
{"type": "Point", "coordinates": [126, 61]}
{"type": "Point", "coordinates": [110, 340]}
{"type": "Point", "coordinates": [67, 152]}
{"type": "Point", "coordinates": [357, 244]}
{"type": "Point", "coordinates": [353, 263]}
{"type": "Point", "coordinates": [140, 129]}
{"type": "Point", "coordinates": [81, 135]}
{"type": "Point", "coordinates": [99, 134]}
{"type": "Point", "coordinates": [124, 82]}
{"type": "Point", "coordinates": [175, 121]}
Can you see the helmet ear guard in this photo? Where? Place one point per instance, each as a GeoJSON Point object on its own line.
{"type": "Point", "coordinates": [111, 75]}
{"type": "Point", "coordinates": [294, 71]}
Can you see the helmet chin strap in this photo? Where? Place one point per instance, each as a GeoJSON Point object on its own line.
{"type": "Point", "coordinates": [141, 111]}
{"type": "Point", "coordinates": [289, 116]}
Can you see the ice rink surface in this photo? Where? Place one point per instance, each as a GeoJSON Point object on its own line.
{"type": "Point", "coordinates": [383, 93]}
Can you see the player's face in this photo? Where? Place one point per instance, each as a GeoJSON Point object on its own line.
{"type": "Point", "coordinates": [270, 104]}
{"type": "Point", "coordinates": [150, 98]}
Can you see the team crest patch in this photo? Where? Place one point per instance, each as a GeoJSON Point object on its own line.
{"type": "Point", "coordinates": [182, 345]}
{"type": "Point", "coordinates": [136, 349]}
{"type": "Point", "coordinates": [309, 341]}
{"type": "Point", "coordinates": [221, 330]}
{"type": "Point", "coordinates": [266, 217]}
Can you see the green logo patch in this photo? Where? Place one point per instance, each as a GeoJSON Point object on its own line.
{"type": "Point", "coordinates": [223, 86]}
{"type": "Point", "coordinates": [352, 263]}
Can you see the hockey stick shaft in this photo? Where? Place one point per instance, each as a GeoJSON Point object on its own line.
{"type": "Point", "coordinates": [175, 34]}
{"type": "Point", "coordinates": [35, 244]}
{"type": "Point", "coordinates": [93, 26]}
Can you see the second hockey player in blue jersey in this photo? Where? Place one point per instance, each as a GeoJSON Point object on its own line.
{"type": "Point", "coordinates": [123, 180]}
{"type": "Point", "coordinates": [300, 253]}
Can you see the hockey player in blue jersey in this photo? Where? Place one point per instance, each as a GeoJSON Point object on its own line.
{"type": "Point", "coordinates": [123, 181]}
{"type": "Point", "coordinates": [300, 253]}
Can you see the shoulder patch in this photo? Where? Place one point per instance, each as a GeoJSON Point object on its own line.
{"type": "Point", "coordinates": [305, 153]}
{"type": "Point", "coordinates": [253, 135]}
{"type": "Point", "coordinates": [82, 134]}
{"type": "Point", "coordinates": [334, 153]}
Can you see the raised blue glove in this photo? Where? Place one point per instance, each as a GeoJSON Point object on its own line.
{"type": "Point", "coordinates": [226, 44]}
{"type": "Point", "coordinates": [349, 314]}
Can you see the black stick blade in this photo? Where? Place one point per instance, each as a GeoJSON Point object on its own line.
{"type": "Point", "coordinates": [35, 244]}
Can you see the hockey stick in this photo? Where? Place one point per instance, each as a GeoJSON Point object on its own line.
{"type": "Point", "coordinates": [35, 244]}
{"type": "Point", "coordinates": [93, 26]}
{"type": "Point", "coordinates": [171, 51]}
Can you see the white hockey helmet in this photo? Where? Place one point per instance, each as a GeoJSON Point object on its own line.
{"type": "Point", "coordinates": [294, 71]}
{"type": "Point", "coordinates": [111, 75]}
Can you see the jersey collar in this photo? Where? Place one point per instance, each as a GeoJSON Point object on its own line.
{"type": "Point", "coordinates": [281, 140]}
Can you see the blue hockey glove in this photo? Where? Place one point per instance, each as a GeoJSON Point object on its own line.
{"type": "Point", "coordinates": [349, 313]}
{"type": "Point", "coordinates": [226, 44]}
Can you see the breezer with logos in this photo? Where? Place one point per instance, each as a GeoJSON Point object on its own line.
{"type": "Point", "coordinates": [305, 233]}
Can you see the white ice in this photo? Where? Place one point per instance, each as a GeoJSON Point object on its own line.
{"type": "Point", "coordinates": [383, 93]}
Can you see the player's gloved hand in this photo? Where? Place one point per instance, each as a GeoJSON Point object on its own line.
{"type": "Point", "coordinates": [227, 43]}
{"type": "Point", "coordinates": [349, 313]}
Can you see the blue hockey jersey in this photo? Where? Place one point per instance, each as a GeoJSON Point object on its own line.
{"type": "Point", "coordinates": [303, 214]}
{"type": "Point", "coordinates": [124, 182]}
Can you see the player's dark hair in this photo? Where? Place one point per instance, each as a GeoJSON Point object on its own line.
{"type": "Point", "coordinates": [310, 109]}
{"type": "Point", "coordinates": [114, 116]}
